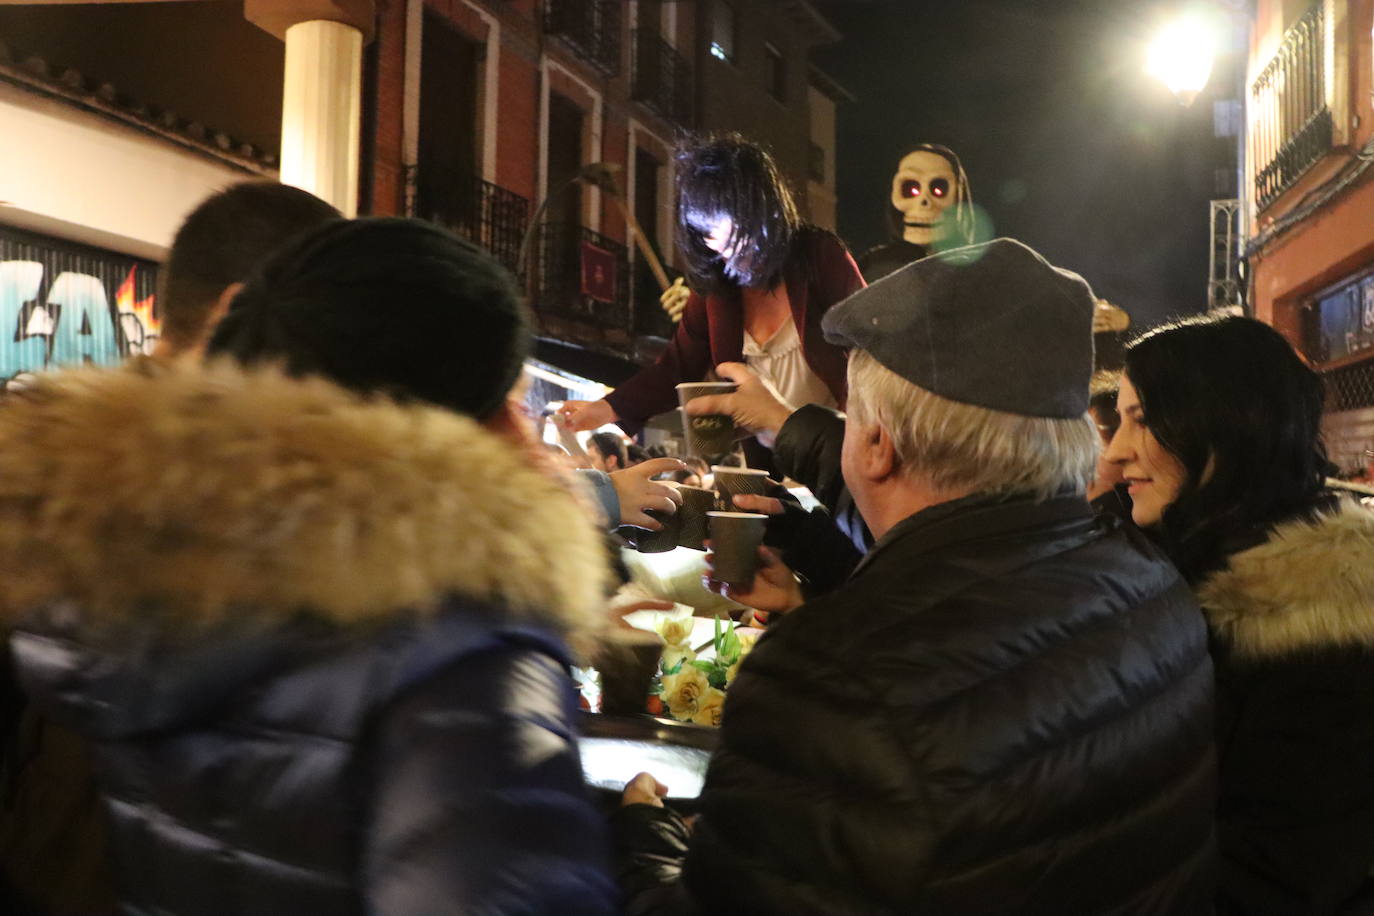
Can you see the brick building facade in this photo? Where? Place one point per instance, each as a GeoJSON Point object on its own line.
{"type": "Point", "coordinates": [1310, 214]}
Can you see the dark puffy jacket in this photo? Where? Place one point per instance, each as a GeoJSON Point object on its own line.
{"type": "Point", "coordinates": [1292, 620]}
{"type": "Point", "coordinates": [1007, 709]}
{"type": "Point", "coordinates": [317, 644]}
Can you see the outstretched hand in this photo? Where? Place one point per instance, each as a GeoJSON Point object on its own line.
{"type": "Point", "coordinates": [582, 415]}
{"type": "Point", "coordinates": [637, 492]}
{"type": "Point", "coordinates": [755, 405]}
{"type": "Point", "coordinates": [775, 590]}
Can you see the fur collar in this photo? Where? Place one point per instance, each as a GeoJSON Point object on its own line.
{"type": "Point", "coordinates": [205, 490]}
{"type": "Point", "coordinates": [1310, 586]}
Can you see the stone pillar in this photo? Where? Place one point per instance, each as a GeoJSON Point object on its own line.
{"type": "Point", "coordinates": [322, 91]}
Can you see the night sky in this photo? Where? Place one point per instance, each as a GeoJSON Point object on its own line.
{"type": "Point", "coordinates": [1069, 147]}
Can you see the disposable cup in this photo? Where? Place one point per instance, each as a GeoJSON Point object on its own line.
{"type": "Point", "coordinates": [711, 435]}
{"type": "Point", "coordinates": [665, 538]}
{"type": "Point", "coordinates": [696, 502]}
{"type": "Point", "coordinates": [627, 660]}
{"type": "Point", "coordinates": [730, 481]}
{"type": "Point", "coordinates": [735, 539]}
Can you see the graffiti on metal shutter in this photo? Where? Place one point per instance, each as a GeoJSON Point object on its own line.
{"type": "Point", "coordinates": [63, 304]}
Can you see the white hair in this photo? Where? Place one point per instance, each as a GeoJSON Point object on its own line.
{"type": "Point", "coordinates": [953, 446]}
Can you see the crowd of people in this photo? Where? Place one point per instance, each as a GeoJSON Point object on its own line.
{"type": "Point", "coordinates": [291, 604]}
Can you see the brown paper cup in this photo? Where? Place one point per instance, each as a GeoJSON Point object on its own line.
{"type": "Point", "coordinates": [711, 435]}
{"type": "Point", "coordinates": [665, 538]}
{"type": "Point", "coordinates": [627, 660]}
{"type": "Point", "coordinates": [735, 539]}
{"type": "Point", "coordinates": [696, 502]}
{"type": "Point", "coordinates": [733, 481]}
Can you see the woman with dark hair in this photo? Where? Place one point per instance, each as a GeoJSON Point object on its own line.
{"type": "Point", "coordinates": [1220, 444]}
{"type": "Point", "coordinates": [762, 281]}
{"type": "Point", "coordinates": [311, 606]}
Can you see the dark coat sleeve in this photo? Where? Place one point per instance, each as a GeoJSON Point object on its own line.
{"type": "Point", "coordinates": [479, 805]}
{"type": "Point", "coordinates": [807, 449]}
{"type": "Point", "coordinates": [1296, 815]}
{"type": "Point", "coordinates": [687, 358]}
{"type": "Point", "coordinates": [814, 547]}
{"type": "Point", "coordinates": [650, 846]}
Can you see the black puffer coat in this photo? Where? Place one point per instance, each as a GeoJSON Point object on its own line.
{"type": "Point", "coordinates": [317, 644]}
{"type": "Point", "coordinates": [1007, 709]}
{"type": "Point", "coordinates": [1292, 622]}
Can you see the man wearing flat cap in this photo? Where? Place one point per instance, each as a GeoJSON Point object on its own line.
{"type": "Point", "coordinates": [1007, 708]}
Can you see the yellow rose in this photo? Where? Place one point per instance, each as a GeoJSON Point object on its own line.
{"type": "Point", "coordinates": [676, 631]}
{"type": "Point", "coordinates": [683, 691]}
{"type": "Point", "coordinates": [731, 672]}
{"type": "Point", "coordinates": [748, 637]}
{"type": "Point", "coordinates": [710, 707]}
{"type": "Point", "coordinates": [674, 654]}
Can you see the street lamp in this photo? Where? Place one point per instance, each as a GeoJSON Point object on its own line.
{"type": "Point", "coordinates": [1181, 56]}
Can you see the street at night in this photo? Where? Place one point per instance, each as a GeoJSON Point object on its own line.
{"type": "Point", "coordinates": [661, 457]}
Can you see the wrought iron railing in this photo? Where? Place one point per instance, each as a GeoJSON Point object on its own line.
{"type": "Point", "coordinates": [562, 290]}
{"type": "Point", "coordinates": [477, 210]}
{"type": "Point", "coordinates": [1292, 121]}
{"type": "Point", "coordinates": [591, 27]}
{"type": "Point", "coordinates": [661, 78]}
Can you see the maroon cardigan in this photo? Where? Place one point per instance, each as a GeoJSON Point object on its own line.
{"type": "Point", "coordinates": [819, 273]}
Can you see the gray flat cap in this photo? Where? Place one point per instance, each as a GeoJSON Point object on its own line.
{"type": "Point", "coordinates": [995, 325]}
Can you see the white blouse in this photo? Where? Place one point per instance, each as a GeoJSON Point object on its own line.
{"type": "Point", "coordinates": [780, 360]}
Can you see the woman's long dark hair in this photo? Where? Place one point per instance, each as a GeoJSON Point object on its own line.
{"type": "Point", "coordinates": [726, 175]}
{"type": "Point", "coordinates": [1231, 400]}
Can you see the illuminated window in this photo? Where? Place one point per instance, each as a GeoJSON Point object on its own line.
{"type": "Point", "coordinates": [723, 30]}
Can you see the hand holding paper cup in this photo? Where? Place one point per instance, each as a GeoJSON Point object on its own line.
{"type": "Point", "coordinates": [693, 529]}
{"type": "Point", "coordinates": [731, 481]}
{"type": "Point", "coordinates": [735, 540]}
{"type": "Point", "coordinates": [708, 435]}
{"type": "Point", "coordinates": [664, 538]}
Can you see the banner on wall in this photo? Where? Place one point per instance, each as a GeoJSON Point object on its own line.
{"type": "Point", "coordinates": [598, 273]}
{"type": "Point", "coordinates": [64, 304]}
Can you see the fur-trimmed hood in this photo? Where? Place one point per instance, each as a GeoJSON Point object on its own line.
{"type": "Point", "coordinates": [1310, 586]}
{"type": "Point", "coordinates": [207, 491]}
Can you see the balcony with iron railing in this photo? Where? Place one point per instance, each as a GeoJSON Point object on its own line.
{"type": "Point", "coordinates": [479, 211]}
{"type": "Point", "coordinates": [661, 77]}
{"type": "Point", "coordinates": [566, 290]}
{"type": "Point", "coordinates": [590, 27]}
{"type": "Point", "coordinates": [1292, 122]}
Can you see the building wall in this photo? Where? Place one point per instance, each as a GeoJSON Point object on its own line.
{"type": "Point", "coordinates": [1337, 240]}
{"type": "Point", "coordinates": [734, 96]}
{"type": "Point", "coordinates": [821, 194]}
{"type": "Point", "coordinates": [83, 177]}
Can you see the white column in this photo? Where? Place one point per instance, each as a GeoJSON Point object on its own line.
{"type": "Point", "coordinates": [321, 111]}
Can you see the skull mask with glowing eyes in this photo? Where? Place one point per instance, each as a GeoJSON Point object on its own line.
{"type": "Point", "coordinates": [928, 191]}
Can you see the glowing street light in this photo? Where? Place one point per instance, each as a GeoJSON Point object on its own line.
{"type": "Point", "coordinates": [1181, 56]}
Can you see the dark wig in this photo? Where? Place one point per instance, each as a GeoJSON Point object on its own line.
{"type": "Point", "coordinates": [963, 229]}
{"type": "Point", "coordinates": [726, 175]}
{"type": "Point", "coordinates": [390, 306]}
{"type": "Point", "coordinates": [1231, 400]}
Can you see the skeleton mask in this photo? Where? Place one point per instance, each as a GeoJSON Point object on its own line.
{"type": "Point", "coordinates": [924, 187]}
